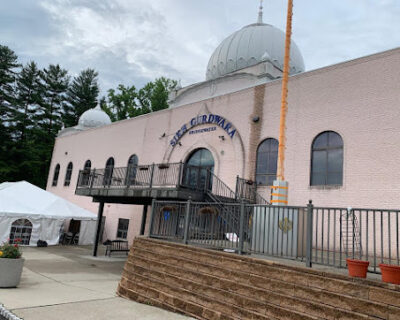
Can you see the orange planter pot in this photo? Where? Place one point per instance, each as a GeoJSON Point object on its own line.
{"type": "Point", "coordinates": [390, 273]}
{"type": "Point", "coordinates": [357, 268]}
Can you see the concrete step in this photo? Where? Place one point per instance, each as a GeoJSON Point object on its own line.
{"type": "Point", "coordinates": [241, 287]}
{"type": "Point", "coordinates": [244, 296]}
{"type": "Point", "coordinates": [323, 305]}
{"type": "Point", "coordinates": [374, 291]}
{"type": "Point", "coordinates": [247, 310]}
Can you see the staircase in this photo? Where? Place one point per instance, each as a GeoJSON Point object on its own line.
{"type": "Point", "coordinates": [350, 234]}
{"type": "Point", "coordinates": [207, 284]}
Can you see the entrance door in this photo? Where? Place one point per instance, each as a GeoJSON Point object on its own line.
{"type": "Point", "coordinates": [198, 170]}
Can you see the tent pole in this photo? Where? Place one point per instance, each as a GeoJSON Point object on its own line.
{"type": "Point", "coordinates": [99, 220]}
{"type": "Point", "coordinates": [144, 218]}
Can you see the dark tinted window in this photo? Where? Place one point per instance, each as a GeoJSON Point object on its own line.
{"type": "Point", "coordinates": [68, 175]}
{"type": "Point", "coordinates": [267, 159]}
{"type": "Point", "coordinates": [327, 159]}
{"type": "Point", "coordinates": [123, 225]}
{"type": "Point", "coordinates": [56, 174]}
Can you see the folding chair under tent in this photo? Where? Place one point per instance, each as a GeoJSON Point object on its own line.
{"type": "Point", "coordinates": [36, 214]}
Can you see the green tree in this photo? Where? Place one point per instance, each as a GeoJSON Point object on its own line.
{"type": "Point", "coordinates": [121, 103]}
{"type": "Point", "coordinates": [8, 71]}
{"type": "Point", "coordinates": [82, 95]}
{"type": "Point", "coordinates": [154, 95]}
{"type": "Point", "coordinates": [55, 82]}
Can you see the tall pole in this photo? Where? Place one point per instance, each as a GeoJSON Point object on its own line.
{"type": "Point", "coordinates": [285, 79]}
{"type": "Point", "coordinates": [281, 187]}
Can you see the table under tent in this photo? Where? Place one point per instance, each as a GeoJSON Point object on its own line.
{"type": "Point", "coordinates": [31, 214]}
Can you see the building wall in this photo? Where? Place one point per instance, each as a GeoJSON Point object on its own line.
{"type": "Point", "coordinates": [358, 99]}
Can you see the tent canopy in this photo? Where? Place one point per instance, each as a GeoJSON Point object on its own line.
{"type": "Point", "coordinates": [23, 198]}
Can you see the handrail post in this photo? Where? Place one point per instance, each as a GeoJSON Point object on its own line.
{"type": "Point", "coordinates": [241, 227]}
{"type": "Point", "coordinates": [153, 208]}
{"type": "Point", "coordinates": [92, 176]}
{"type": "Point", "coordinates": [180, 174]}
{"type": "Point", "coordinates": [309, 235]}
{"type": "Point", "coordinates": [152, 175]}
{"type": "Point", "coordinates": [187, 220]}
{"type": "Point", "coordinates": [237, 188]}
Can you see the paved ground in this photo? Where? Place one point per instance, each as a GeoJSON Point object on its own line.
{"type": "Point", "coordinates": [67, 283]}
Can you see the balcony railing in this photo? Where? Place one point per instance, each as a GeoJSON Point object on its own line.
{"type": "Point", "coordinates": [167, 175]}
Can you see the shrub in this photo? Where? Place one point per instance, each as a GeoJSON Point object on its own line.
{"type": "Point", "coordinates": [10, 251]}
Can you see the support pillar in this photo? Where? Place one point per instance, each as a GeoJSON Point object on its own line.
{"type": "Point", "coordinates": [99, 221]}
{"type": "Point", "coordinates": [144, 218]}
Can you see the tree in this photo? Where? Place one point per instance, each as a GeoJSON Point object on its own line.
{"type": "Point", "coordinates": [55, 82]}
{"type": "Point", "coordinates": [8, 72]}
{"type": "Point", "coordinates": [154, 95]}
{"type": "Point", "coordinates": [121, 103]}
{"type": "Point", "coordinates": [82, 95]}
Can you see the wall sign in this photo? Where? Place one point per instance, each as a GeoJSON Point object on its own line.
{"type": "Point", "coordinates": [204, 119]}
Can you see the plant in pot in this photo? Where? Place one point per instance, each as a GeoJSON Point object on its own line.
{"type": "Point", "coordinates": [11, 264]}
{"type": "Point", "coordinates": [390, 273]}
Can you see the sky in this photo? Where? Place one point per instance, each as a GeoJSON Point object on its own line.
{"type": "Point", "coordinates": [132, 42]}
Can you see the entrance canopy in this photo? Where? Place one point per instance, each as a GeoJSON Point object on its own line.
{"type": "Point", "coordinates": [45, 212]}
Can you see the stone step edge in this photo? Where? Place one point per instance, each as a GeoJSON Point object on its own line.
{"type": "Point", "coordinates": [298, 299]}
{"type": "Point", "coordinates": [160, 304]}
{"type": "Point", "coordinates": [314, 289]}
{"type": "Point", "coordinates": [189, 301]}
{"type": "Point", "coordinates": [358, 281]}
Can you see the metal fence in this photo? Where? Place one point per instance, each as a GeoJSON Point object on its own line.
{"type": "Point", "coordinates": [310, 234]}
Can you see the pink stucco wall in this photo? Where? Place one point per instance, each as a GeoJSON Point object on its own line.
{"type": "Point", "coordinates": [359, 99]}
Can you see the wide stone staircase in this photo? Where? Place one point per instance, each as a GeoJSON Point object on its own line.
{"type": "Point", "coordinates": [207, 284]}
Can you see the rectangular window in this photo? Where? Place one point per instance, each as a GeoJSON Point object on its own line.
{"type": "Point", "coordinates": [123, 225]}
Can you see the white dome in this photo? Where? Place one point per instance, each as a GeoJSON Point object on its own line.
{"type": "Point", "coordinates": [251, 45]}
{"type": "Point", "coordinates": [94, 118]}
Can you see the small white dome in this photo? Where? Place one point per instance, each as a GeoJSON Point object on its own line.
{"type": "Point", "coordinates": [251, 45]}
{"type": "Point", "coordinates": [94, 118]}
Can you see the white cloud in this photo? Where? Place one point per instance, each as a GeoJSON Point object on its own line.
{"type": "Point", "coordinates": [132, 42]}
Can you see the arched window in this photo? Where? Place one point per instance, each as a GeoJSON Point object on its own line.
{"type": "Point", "coordinates": [68, 175]}
{"type": "Point", "coordinates": [131, 169]}
{"type": "Point", "coordinates": [198, 168]}
{"type": "Point", "coordinates": [87, 166]}
{"type": "Point", "coordinates": [108, 172]}
{"type": "Point", "coordinates": [267, 159]}
{"type": "Point", "coordinates": [21, 231]}
{"type": "Point", "coordinates": [86, 173]}
{"type": "Point", "coordinates": [327, 159]}
{"type": "Point", "coordinates": [55, 175]}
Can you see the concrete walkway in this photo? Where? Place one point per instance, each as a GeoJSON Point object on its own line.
{"type": "Point", "coordinates": [67, 283]}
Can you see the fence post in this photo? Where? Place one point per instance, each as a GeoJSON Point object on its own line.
{"type": "Point", "coordinates": [237, 187]}
{"type": "Point", "coordinates": [92, 176]}
{"type": "Point", "coordinates": [309, 234]}
{"type": "Point", "coordinates": [153, 208]}
{"type": "Point", "coordinates": [241, 227]}
{"type": "Point", "coordinates": [187, 222]}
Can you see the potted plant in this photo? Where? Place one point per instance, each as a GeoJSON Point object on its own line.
{"type": "Point", "coordinates": [11, 264]}
{"type": "Point", "coordinates": [357, 268]}
{"type": "Point", "coordinates": [390, 273]}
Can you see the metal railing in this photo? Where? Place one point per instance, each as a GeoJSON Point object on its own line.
{"type": "Point", "coordinates": [247, 190]}
{"type": "Point", "coordinates": [310, 234]}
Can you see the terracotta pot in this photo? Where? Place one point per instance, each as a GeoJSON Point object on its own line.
{"type": "Point", "coordinates": [10, 272]}
{"type": "Point", "coordinates": [357, 268]}
{"type": "Point", "coordinates": [390, 273]}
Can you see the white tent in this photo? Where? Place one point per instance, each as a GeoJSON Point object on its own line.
{"type": "Point", "coordinates": [46, 212]}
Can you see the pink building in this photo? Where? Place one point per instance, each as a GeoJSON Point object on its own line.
{"type": "Point", "coordinates": [342, 146]}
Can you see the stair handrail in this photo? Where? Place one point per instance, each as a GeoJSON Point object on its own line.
{"type": "Point", "coordinates": [251, 188]}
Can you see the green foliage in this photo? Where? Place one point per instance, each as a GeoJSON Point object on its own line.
{"type": "Point", "coordinates": [36, 103]}
{"type": "Point", "coordinates": [10, 251]}
{"type": "Point", "coordinates": [82, 95]}
{"type": "Point", "coordinates": [127, 102]}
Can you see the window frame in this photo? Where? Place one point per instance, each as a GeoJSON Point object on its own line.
{"type": "Point", "coordinates": [326, 149]}
{"type": "Point", "coordinates": [121, 232]}
{"type": "Point", "coordinates": [68, 174]}
{"type": "Point", "coordinates": [56, 175]}
{"type": "Point", "coordinates": [267, 175]}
